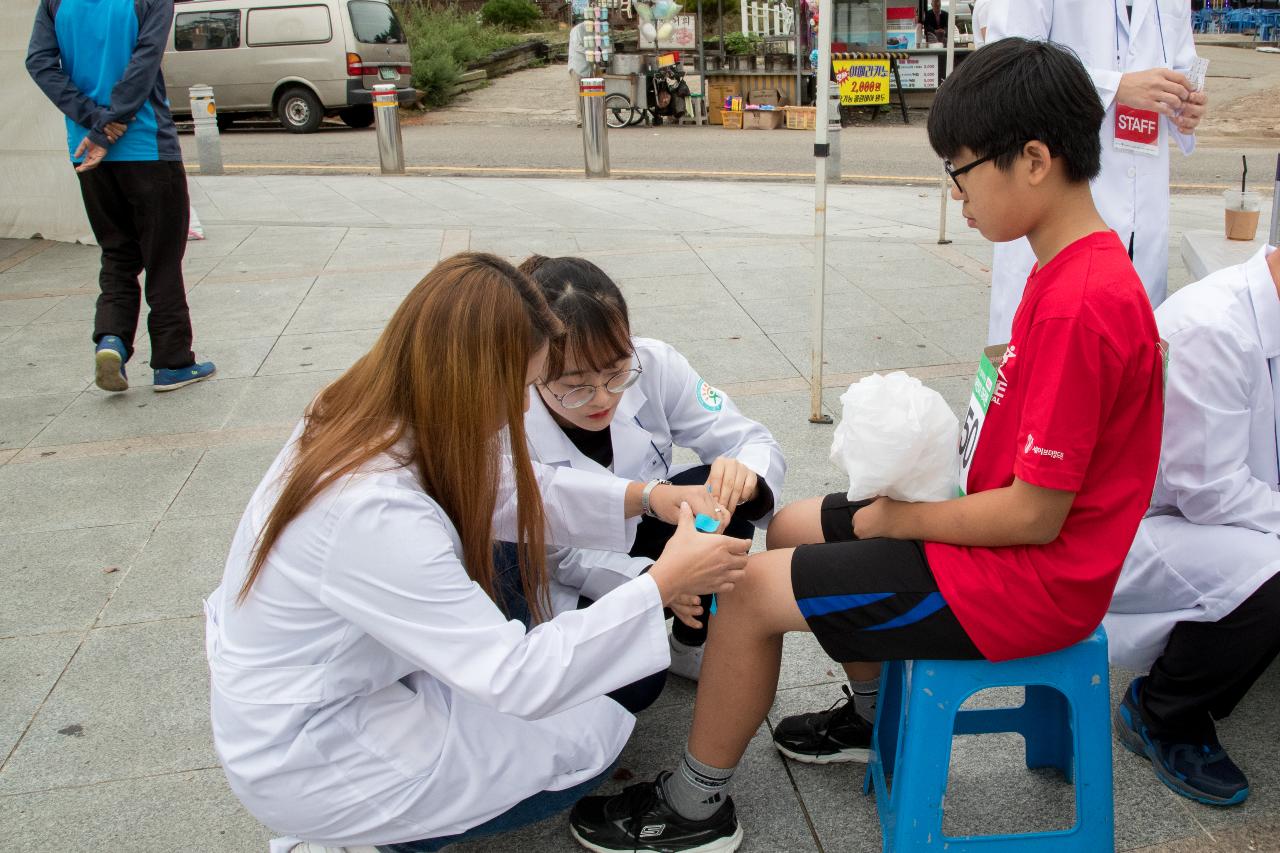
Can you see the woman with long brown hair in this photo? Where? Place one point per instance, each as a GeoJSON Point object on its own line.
{"type": "Point", "coordinates": [367, 685]}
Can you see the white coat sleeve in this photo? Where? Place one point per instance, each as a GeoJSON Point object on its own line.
{"type": "Point", "coordinates": [582, 508]}
{"type": "Point", "coordinates": [1179, 36]}
{"type": "Point", "coordinates": [1206, 433]}
{"type": "Point", "coordinates": [592, 572]}
{"type": "Point", "coordinates": [724, 432]}
{"type": "Point", "coordinates": [392, 570]}
{"type": "Point", "coordinates": [1033, 19]}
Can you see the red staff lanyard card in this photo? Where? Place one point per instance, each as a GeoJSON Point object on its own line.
{"type": "Point", "coordinates": [1137, 130]}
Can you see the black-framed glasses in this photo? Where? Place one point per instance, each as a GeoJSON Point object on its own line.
{"type": "Point", "coordinates": [579, 395]}
{"type": "Point", "coordinates": [954, 173]}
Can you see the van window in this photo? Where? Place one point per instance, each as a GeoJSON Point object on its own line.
{"type": "Point", "coordinates": [374, 22]}
{"type": "Point", "coordinates": [289, 25]}
{"type": "Point", "coordinates": [206, 30]}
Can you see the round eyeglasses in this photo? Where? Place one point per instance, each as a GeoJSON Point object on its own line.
{"type": "Point", "coordinates": [579, 395]}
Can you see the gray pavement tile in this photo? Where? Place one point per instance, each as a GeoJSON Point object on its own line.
{"type": "Point", "coordinates": [242, 269]}
{"type": "Point", "coordinates": [134, 702]}
{"type": "Point", "coordinates": [59, 581]}
{"type": "Point", "coordinates": [795, 282]}
{"type": "Point", "coordinates": [7, 332]}
{"type": "Point", "coordinates": [77, 308]}
{"type": "Point", "coordinates": [884, 347]}
{"type": "Point", "coordinates": [520, 243]}
{"type": "Point", "coordinates": [767, 255]}
{"type": "Point", "coordinates": [48, 283]}
{"type": "Point", "coordinates": [33, 342]}
{"type": "Point", "coordinates": [66, 494]}
{"type": "Point", "coordinates": [671, 291]}
{"type": "Point", "coordinates": [38, 375]}
{"type": "Point", "coordinates": [220, 239]}
{"type": "Point", "coordinates": [963, 337]}
{"type": "Point", "coordinates": [341, 311]}
{"type": "Point", "coordinates": [631, 261]}
{"type": "Point", "coordinates": [278, 401]}
{"type": "Point", "coordinates": [10, 246]}
{"type": "Point", "coordinates": [180, 565]}
{"type": "Point", "coordinates": [364, 246]}
{"type": "Point", "coordinates": [236, 358]}
{"type": "Point", "coordinates": [19, 312]}
{"type": "Point", "coordinates": [225, 479]}
{"type": "Point", "coordinates": [705, 321]}
{"type": "Point", "coordinates": [105, 416]}
{"type": "Point", "coordinates": [386, 281]}
{"type": "Point", "coordinates": [846, 308]}
{"type": "Point", "coordinates": [318, 352]}
{"type": "Point", "coordinates": [61, 257]}
{"type": "Point", "coordinates": [246, 310]}
{"type": "Point", "coordinates": [949, 303]}
{"type": "Point", "coordinates": [29, 667]}
{"type": "Point", "coordinates": [293, 241]}
{"type": "Point", "coordinates": [178, 811]}
{"type": "Point", "coordinates": [739, 360]}
{"type": "Point", "coordinates": [926, 271]}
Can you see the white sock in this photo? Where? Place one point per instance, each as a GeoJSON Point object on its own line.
{"type": "Point", "coordinates": [696, 791]}
{"type": "Point", "coordinates": [865, 694]}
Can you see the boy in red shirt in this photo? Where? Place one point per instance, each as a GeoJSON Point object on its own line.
{"type": "Point", "coordinates": [1059, 456]}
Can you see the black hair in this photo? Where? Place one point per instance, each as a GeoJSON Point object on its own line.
{"type": "Point", "coordinates": [588, 303]}
{"type": "Point", "coordinates": [1014, 91]}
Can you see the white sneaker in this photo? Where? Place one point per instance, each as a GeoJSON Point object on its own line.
{"type": "Point", "coordinates": [686, 661]}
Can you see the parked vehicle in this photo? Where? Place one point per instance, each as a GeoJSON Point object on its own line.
{"type": "Point", "coordinates": [295, 60]}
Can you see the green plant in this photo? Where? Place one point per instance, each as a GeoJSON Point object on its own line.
{"type": "Point", "coordinates": [741, 44]}
{"type": "Point", "coordinates": [512, 14]}
{"type": "Point", "coordinates": [443, 43]}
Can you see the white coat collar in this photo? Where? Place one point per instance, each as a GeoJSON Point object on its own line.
{"type": "Point", "coordinates": [552, 446]}
{"type": "Point", "coordinates": [1141, 8]}
{"type": "Point", "coordinates": [1266, 302]}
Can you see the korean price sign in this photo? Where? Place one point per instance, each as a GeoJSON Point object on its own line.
{"type": "Point", "coordinates": [863, 82]}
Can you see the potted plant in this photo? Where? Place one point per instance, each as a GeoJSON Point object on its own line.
{"type": "Point", "coordinates": [741, 47]}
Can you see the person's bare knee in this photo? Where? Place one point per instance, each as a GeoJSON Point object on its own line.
{"type": "Point", "coordinates": [798, 523]}
{"type": "Point", "coordinates": [762, 603]}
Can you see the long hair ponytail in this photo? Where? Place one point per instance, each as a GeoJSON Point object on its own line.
{"type": "Point", "coordinates": [447, 373]}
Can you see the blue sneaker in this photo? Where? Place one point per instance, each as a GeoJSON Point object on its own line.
{"type": "Point", "coordinates": [170, 380]}
{"type": "Point", "coordinates": [108, 373]}
{"type": "Point", "coordinates": [1200, 771]}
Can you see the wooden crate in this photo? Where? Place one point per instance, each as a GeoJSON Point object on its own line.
{"type": "Point", "coordinates": [801, 118]}
{"type": "Point", "coordinates": [731, 119]}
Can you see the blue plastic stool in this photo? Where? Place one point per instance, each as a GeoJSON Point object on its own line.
{"type": "Point", "coordinates": [1066, 721]}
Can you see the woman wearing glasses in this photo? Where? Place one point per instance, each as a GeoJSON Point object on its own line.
{"type": "Point", "coordinates": [612, 402]}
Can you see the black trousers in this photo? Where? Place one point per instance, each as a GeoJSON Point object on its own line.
{"type": "Point", "coordinates": [1208, 667]}
{"type": "Point", "coordinates": [653, 534]}
{"type": "Point", "coordinates": [139, 214]}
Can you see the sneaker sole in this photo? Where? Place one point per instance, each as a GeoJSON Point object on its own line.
{"type": "Point", "coordinates": [106, 375]}
{"type": "Point", "coordinates": [720, 845]}
{"type": "Point", "coordinates": [174, 386]}
{"type": "Point", "coordinates": [1133, 742]}
{"type": "Point", "coordinates": [845, 756]}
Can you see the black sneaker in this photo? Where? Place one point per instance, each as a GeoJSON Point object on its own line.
{"type": "Point", "coordinates": [1201, 771]}
{"type": "Point", "coordinates": [833, 736]}
{"type": "Point", "coordinates": [639, 819]}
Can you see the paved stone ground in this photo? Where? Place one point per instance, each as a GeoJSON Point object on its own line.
{"type": "Point", "coordinates": [116, 510]}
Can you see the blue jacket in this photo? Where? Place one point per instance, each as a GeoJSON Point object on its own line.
{"type": "Point", "coordinates": [99, 62]}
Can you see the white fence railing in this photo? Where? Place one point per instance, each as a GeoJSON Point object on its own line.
{"type": "Point", "coordinates": [762, 18]}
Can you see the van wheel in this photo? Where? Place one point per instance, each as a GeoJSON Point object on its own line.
{"type": "Point", "coordinates": [358, 116]}
{"type": "Point", "coordinates": [299, 110]}
{"type": "Point", "coordinates": [225, 121]}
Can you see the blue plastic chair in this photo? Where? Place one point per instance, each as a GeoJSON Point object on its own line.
{"type": "Point", "coordinates": [1065, 720]}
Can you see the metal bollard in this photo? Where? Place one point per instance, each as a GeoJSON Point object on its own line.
{"type": "Point", "coordinates": [204, 112]}
{"type": "Point", "coordinates": [833, 134]}
{"type": "Point", "coordinates": [386, 113]}
{"type": "Point", "coordinates": [595, 133]}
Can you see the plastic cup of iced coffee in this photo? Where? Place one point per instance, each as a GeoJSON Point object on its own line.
{"type": "Point", "coordinates": [1241, 213]}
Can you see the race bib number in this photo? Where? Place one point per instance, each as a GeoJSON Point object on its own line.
{"type": "Point", "coordinates": [1137, 130]}
{"type": "Point", "coordinates": [984, 388]}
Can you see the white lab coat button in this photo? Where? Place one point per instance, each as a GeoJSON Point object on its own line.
{"type": "Point", "coordinates": [1133, 172]}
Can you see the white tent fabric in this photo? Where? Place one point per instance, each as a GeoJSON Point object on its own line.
{"type": "Point", "coordinates": [39, 192]}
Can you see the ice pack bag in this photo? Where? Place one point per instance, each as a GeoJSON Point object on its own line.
{"type": "Point", "coordinates": [896, 438]}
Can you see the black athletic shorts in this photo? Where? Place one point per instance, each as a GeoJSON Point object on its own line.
{"type": "Point", "coordinates": [873, 599]}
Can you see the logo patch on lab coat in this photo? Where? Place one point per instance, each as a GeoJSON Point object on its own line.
{"type": "Point", "coordinates": [710, 398]}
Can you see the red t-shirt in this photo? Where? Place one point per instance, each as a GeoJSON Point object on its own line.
{"type": "Point", "coordinates": [1078, 407]}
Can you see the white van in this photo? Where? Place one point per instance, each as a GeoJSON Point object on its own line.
{"type": "Point", "coordinates": [297, 60]}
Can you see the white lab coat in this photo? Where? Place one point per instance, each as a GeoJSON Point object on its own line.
{"type": "Point", "coordinates": [368, 692]}
{"type": "Point", "coordinates": [664, 409]}
{"type": "Point", "coordinates": [1210, 538]}
{"type": "Point", "coordinates": [1132, 190]}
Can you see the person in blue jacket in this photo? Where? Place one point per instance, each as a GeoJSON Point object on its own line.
{"type": "Point", "coordinates": [99, 62]}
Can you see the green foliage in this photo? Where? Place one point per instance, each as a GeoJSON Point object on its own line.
{"type": "Point", "coordinates": [741, 44]}
{"type": "Point", "coordinates": [444, 42]}
{"type": "Point", "coordinates": [511, 14]}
